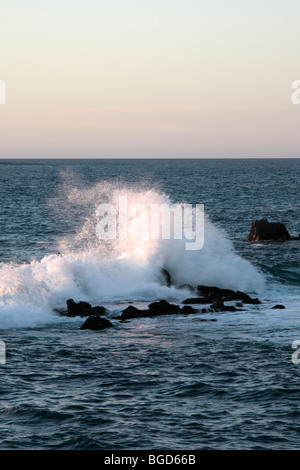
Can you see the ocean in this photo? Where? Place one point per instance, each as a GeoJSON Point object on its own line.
{"type": "Point", "coordinates": [165, 382]}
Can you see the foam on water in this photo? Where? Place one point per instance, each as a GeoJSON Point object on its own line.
{"type": "Point", "coordinates": [99, 271]}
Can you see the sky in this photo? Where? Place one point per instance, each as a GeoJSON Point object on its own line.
{"type": "Point", "coordinates": [159, 78]}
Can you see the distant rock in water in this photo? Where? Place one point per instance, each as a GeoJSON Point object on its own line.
{"type": "Point", "coordinates": [279, 306]}
{"type": "Point", "coordinates": [264, 230]}
{"type": "Point", "coordinates": [94, 322]}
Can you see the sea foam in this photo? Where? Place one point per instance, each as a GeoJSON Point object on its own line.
{"type": "Point", "coordinates": [85, 267]}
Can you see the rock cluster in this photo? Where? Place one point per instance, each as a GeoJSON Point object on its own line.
{"type": "Point", "coordinates": [210, 293]}
{"type": "Point", "coordinates": [212, 297]}
{"type": "Point", "coordinates": [81, 309]}
{"type": "Point", "coordinates": [94, 321]}
{"type": "Point", "coordinates": [155, 309]}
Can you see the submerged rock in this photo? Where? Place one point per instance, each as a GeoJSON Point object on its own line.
{"type": "Point", "coordinates": [95, 322]}
{"type": "Point", "coordinates": [264, 230]}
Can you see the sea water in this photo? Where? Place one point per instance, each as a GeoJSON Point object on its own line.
{"type": "Point", "coordinates": [173, 382]}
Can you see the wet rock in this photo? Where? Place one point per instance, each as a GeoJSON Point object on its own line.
{"type": "Point", "coordinates": [279, 306]}
{"type": "Point", "coordinates": [220, 307]}
{"type": "Point", "coordinates": [162, 307]}
{"type": "Point", "coordinates": [81, 309]}
{"type": "Point", "coordinates": [264, 230]}
{"type": "Point", "coordinates": [132, 312]}
{"type": "Point", "coordinates": [211, 294]}
{"type": "Point", "coordinates": [78, 308]}
{"type": "Point", "coordinates": [197, 300]}
{"type": "Point", "coordinates": [245, 298]}
{"type": "Point", "coordinates": [187, 309]}
{"type": "Point", "coordinates": [166, 277]}
{"type": "Point", "coordinates": [95, 322]}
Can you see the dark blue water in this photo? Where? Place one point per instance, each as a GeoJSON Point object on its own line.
{"type": "Point", "coordinates": [173, 382]}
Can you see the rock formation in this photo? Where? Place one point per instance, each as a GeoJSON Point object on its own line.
{"type": "Point", "coordinates": [264, 230]}
{"type": "Point", "coordinates": [80, 309]}
{"type": "Point", "coordinates": [162, 307]}
{"type": "Point", "coordinates": [95, 322]}
{"type": "Point", "coordinates": [209, 294]}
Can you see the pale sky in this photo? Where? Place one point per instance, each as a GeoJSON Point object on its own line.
{"type": "Point", "coordinates": [159, 78]}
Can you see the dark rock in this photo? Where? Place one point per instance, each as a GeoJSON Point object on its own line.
{"type": "Point", "coordinates": [98, 310]}
{"type": "Point", "coordinates": [162, 307]}
{"type": "Point", "coordinates": [215, 292]}
{"type": "Point", "coordinates": [167, 277]}
{"type": "Point", "coordinates": [245, 298]}
{"type": "Point", "coordinates": [187, 309]}
{"type": "Point", "coordinates": [132, 312]}
{"type": "Point", "coordinates": [197, 300]}
{"type": "Point", "coordinates": [229, 308]}
{"type": "Point", "coordinates": [279, 306]}
{"type": "Point", "coordinates": [264, 230]}
{"type": "Point", "coordinates": [81, 309]}
{"type": "Point", "coordinates": [94, 322]}
{"type": "Point", "coordinates": [220, 307]}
